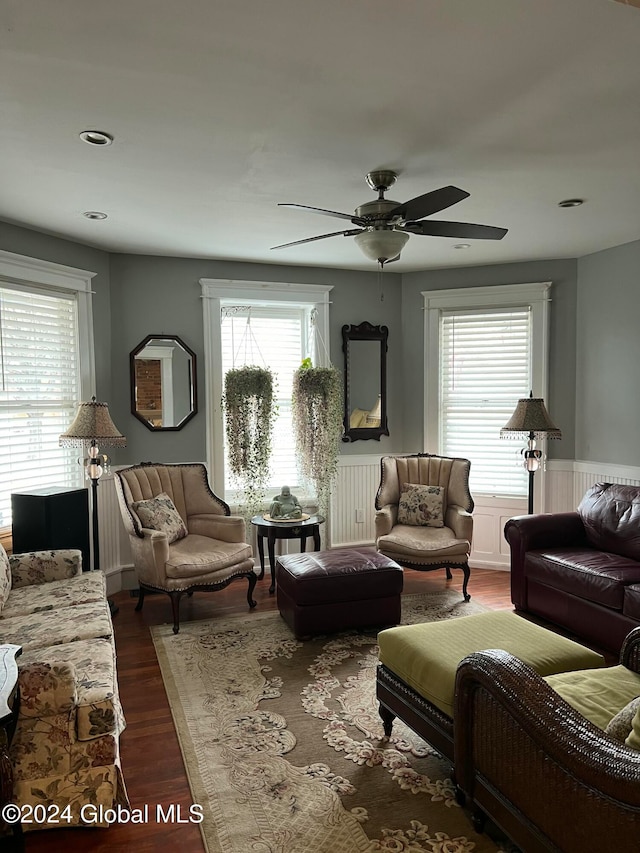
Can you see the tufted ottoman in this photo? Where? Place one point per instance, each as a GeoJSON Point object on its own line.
{"type": "Point", "coordinates": [326, 591]}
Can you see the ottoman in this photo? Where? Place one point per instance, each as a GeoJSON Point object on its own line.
{"type": "Point", "coordinates": [415, 680]}
{"type": "Point", "coordinates": [326, 591]}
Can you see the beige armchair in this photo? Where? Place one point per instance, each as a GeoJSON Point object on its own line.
{"type": "Point", "coordinates": [199, 547]}
{"type": "Point", "coordinates": [421, 538]}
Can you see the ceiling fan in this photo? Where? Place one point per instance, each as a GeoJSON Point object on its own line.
{"type": "Point", "coordinates": [384, 226]}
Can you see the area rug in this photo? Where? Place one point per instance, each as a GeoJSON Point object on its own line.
{"type": "Point", "coordinates": [284, 748]}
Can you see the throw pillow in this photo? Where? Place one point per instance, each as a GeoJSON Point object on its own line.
{"type": "Point", "coordinates": [160, 513]}
{"type": "Point", "coordinates": [633, 738]}
{"type": "Point", "coordinates": [421, 506]}
{"type": "Point", "coordinates": [5, 577]}
{"type": "Point", "coordinates": [621, 726]}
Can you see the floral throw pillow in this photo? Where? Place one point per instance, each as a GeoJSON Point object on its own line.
{"type": "Point", "coordinates": [5, 577]}
{"type": "Point", "coordinates": [421, 506]}
{"type": "Point", "coordinates": [160, 513]}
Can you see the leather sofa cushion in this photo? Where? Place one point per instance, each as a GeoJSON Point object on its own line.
{"type": "Point", "coordinates": [347, 574]}
{"type": "Point", "coordinates": [631, 604]}
{"type": "Point", "coordinates": [610, 513]}
{"type": "Point", "coordinates": [597, 576]}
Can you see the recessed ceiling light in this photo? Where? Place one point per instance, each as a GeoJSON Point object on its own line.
{"type": "Point", "coordinates": [462, 246]}
{"type": "Point", "coordinates": [94, 214]}
{"type": "Point", "coordinates": [96, 137]}
{"type": "Point", "coordinates": [571, 202]}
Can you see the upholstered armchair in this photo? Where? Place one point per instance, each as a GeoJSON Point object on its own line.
{"type": "Point", "coordinates": [183, 538]}
{"type": "Point", "coordinates": [423, 513]}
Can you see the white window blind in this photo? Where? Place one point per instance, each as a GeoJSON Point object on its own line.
{"type": "Point", "coordinates": [277, 337]}
{"type": "Point", "coordinates": [485, 368]}
{"type": "Point", "coordinates": [39, 391]}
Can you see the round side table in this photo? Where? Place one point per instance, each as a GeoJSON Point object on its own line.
{"type": "Point", "coordinates": [273, 530]}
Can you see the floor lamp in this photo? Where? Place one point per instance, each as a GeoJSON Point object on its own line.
{"type": "Point", "coordinates": [531, 419]}
{"type": "Point", "coordinates": [93, 428]}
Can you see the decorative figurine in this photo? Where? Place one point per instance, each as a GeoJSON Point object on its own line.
{"type": "Point", "coordinates": [285, 505]}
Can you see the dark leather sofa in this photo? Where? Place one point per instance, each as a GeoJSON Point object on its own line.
{"type": "Point", "coordinates": [581, 570]}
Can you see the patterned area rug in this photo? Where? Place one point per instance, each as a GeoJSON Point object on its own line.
{"type": "Point", "coordinates": [284, 747]}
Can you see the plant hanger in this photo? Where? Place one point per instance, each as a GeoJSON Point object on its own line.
{"type": "Point", "coordinates": [248, 339]}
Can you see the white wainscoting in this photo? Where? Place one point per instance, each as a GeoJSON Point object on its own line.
{"type": "Point", "coordinates": [489, 547]}
{"type": "Point", "coordinates": [568, 480]}
{"type": "Point", "coordinates": [115, 554]}
{"type": "Point", "coordinates": [353, 498]}
{"type": "Point", "coordinates": [559, 489]}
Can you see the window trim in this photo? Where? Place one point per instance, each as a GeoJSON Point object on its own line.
{"type": "Point", "coordinates": [214, 292]}
{"type": "Point", "coordinates": [21, 272]}
{"type": "Point", "coordinates": [536, 295]}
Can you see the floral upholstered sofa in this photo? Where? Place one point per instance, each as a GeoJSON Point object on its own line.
{"type": "Point", "coordinates": [65, 748]}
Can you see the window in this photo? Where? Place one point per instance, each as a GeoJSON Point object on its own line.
{"type": "Point", "coordinates": [43, 376]}
{"type": "Point", "coordinates": [267, 324]}
{"type": "Point", "coordinates": [278, 338]}
{"type": "Point", "coordinates": [486, 349]}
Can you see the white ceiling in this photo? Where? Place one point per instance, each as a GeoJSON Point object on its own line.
{"type": "Point", "coordinates": [220, 109]}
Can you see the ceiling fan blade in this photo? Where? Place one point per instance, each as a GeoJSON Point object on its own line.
{"type": "Point", "coordinates": [466, 230]}
{"type": "Point", "coordinates": [349, 233]}
{"type": "Point", "coordinates": [348, 216]}
{"type": "Point", "coordinates": [425, 205]}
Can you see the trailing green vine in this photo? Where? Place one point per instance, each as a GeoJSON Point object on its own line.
{"type": "Point", "coordinates": [250, 415]}
{"type": "Point", "coordinates": [317, 425]}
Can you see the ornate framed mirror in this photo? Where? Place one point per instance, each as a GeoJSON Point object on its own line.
{"type": "Point", "coordinates": [163, 382]}
{"type": "Point", "coordinates": [365, 381]}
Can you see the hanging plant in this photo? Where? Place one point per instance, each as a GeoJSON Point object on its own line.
{"type": "Point", "coordinates": [317, 426]}
{"type": "Point", "coordinates": [250, 415]}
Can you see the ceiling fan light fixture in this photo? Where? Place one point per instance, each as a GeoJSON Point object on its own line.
{"type": "Point", "coordinates": [381, 244]}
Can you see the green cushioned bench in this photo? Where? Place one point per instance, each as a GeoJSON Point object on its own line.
{"type": "Point", "coordinates": [417, 671]}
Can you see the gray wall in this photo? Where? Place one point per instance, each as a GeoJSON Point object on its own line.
{"type": "Point", "coordinates": [155, 295]}
{"type": "Point", "coordinates": [608, 349]}
{"type": "Point", "coordinates": [562, 356]}
{"type": "Point", "coordinates": [594, 358]}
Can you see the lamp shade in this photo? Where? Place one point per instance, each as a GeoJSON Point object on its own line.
{"type": "Point", "coordinates": [531, 416]}
{"type": "Point", "coordinates": [93, 423]}
{"type": "Point", "coordinates": [381, 244]}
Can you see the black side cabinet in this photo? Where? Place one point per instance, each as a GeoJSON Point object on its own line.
{"type": "Point", "coordinates": [55, 517]}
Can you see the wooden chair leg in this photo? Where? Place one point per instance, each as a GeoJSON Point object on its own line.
{"type": "Point", "coordinates": [175, 606]}
{"type": "Point", "coordinates": [252, 584]}
{"type": "Point", "coordinates": [140, 599]}
{"type": "Point", "coordinates": [449, 575]}
{"type": "Point", "coordinates": [467, 574]}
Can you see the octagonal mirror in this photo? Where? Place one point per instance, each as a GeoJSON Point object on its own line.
{"type": "Point", "coordinates": [163, 382]}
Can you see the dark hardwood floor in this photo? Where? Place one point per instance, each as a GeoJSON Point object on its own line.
{"type": "Point", "coordinates": [151, 758]}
